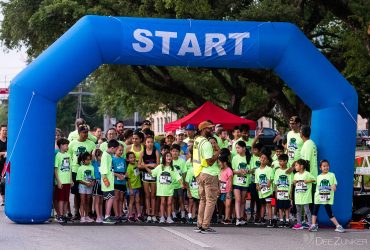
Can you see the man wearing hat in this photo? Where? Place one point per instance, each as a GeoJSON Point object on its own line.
{"type": "Point", "coordinates": [294, 140]}
{"type": "Point", "coordinates": [180, 134]}
{"type": "Point", "coordinates": [170, 138]}
{"type": "Point", "coordinates": [190, 132]}
{"type": "Point", "coordinates": [206, 173]}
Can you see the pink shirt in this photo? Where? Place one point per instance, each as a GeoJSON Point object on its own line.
{"type": "Point", "coordinates": [226, 183]}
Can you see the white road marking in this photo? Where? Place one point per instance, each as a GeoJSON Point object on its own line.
{"type": "Point", "coordinates": [184, 236]}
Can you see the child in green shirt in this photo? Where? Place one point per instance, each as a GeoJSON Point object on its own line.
{"type": "Point", "coordinates": [166, 174]}
{"type": "Point", "coordinates": [180, 166]}
{"type": "Point", "coordinates": [303, 187]}
{"type": "Point", "coordinates": [324, 195]}
{"type": "Point", "coordinates": [134, 184]}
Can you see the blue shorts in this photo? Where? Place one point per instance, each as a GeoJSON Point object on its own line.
{"type": "Point", "coordinates": [134, 191]}
{"type": "Point", "coordinates": [223, 196]}
{"type": "Point", "coordinates": [240, 188]}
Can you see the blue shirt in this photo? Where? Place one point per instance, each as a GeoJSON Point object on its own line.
{"type": "Point", "coordinates": [119, 165]}
{"type": "Point", "coordinates": [97, 175]}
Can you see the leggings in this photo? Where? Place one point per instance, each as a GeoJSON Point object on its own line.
{"type": "Point", "coordinates": [254, 200]}
{"type": "Point", "coordinates": [327, 208]}
{"type": "Point", "coordinates": [307, 212]}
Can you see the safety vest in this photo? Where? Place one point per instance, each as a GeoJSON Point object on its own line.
{"type": "Point", "coordinates": [198, 161]}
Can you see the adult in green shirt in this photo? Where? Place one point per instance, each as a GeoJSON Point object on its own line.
{"type": "Point", "coordinates": [244, 130]}
{"type": "Point", "coordinates": [309, 150]}
{"type": "Point", "coordinates": [294, 140]}
{"type": "Point", "coordinates": [204, 157]}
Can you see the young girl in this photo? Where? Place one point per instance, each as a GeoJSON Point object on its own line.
{"type": "Point", "coordinates": [136, 147]}
{"type": "Point", "coordinates": [303, 191]}
{"type": "Point", "coordinates": [324, 195]}
{"type": "Point", "coordinates": [97, 193]}
{"type": "Point", "coordinates": [254, 164]}
{"type": "Point", "coordinates": [119, 165]}
{"type": "Point", "coordinates": [86, 179]}
{"type": "Point", "coordinates": [149, 159]}
{"type": "Point", "coordinates": [165, 174]}
{"type": "Point", "coordinates": [192, 186]}
{"type": "Point", "coordinates": [134, 184]}
{"type": "Point", "coordinates": [241, 180]}
{"type": "Point", "coordinates": [226, 180]}
{"type": "Point", "coordinates": [264, 180]}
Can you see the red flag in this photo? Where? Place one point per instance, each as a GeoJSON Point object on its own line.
{"type": "Point", "coordinates": [6, 169]}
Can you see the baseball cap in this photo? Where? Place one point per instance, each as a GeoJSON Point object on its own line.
{"type": "Point", "coordinates": [180, 131]}
{"type": "Point", "coordinates": [190, 127]}
{"type": "Point", "coordinates": [219, 126]}
{"type": "Point", "coordinates": [170, 133]}
{"type": "Point", "coordinates": [205, 124]}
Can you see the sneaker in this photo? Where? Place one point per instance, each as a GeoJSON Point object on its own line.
{"type": "Point", "coordinates": [238, 222]}
{"type": "Point", "coordinates": [197, 229]}
{"type": "Point", "coordinates": [280, 224]}
{"type": "Point", "coordinates": [162, 220]}
{"type": "Point", "coordinates": [88, 219]}
{"type": "Point", "coordinates": [190, 221]}
{"type": "Point", "coordinates": [313, 228]}
{"type": "Point", "coordinates": [169, 220]}
{"type": "Point", "coordinates": [123, 219]}
{"type": "Point", "coordinates": [287, 224]}
{"type": "Point", "coordinates": [339, 229]}
{"type": "Point", "coordinates": [131, 219]}
{"type": "Point", "coordinates": [226, 222]}
{"type": "Point", "coordinates": [99, 220]}
{"type": "Point", "coordinates": [305, 225]}
{"type": "Point", "coordinates": [154, 219]}
{"type": "Point", "coordinates": [60, 219]}
{"type": "Point", "coordinates": [258, 222]}
{"type": "Point", "coordinates": [69, 216]}
{"type": "Point", "coordinates": [297, 227]}
{"type": "Point", "coordinates": [270, 224]}
{"type": "Point", "coordinates": [263, 221]}
{"type": "Point", "coordinates": [83, 220]}
{"type": "Point", "coordinates": [109, 220]}
{"type": "Point", "coordinates": [243, 222]}
{"type": "Point", "coordinates": [148, 219]}
{"type": "Point", "coordinates": [140, 218]}
{"type": "Point", "coordinates": [207, 231]}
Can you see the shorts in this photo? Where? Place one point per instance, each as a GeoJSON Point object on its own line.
{"type": "Point", "coordinates": [74, 188]}
{"type": "Point", "coordinates": [108, 195]}
{"type": "Point", "coordinates": [97, 189]}
{"type": "Point", "coordinates": [195, 200]}
{"type": "Point", "coordinates": [63, 193]}
{"type": "Point", "coordinates": [2, 186]}
{"type": "Point", "coordinates": [223, 196]}
{"type": "Point", "coordinates": [178, 193]}
{"type": "Point", "coordinates": [82, 189]}
{"type": "Point", "coordinates": [120, 187]}
{"type": "Point", "coordinates": [283, 204]}
{"type": "Point", "coordinates": [240, 188]}
{"type": "Point", "coordinates": [265, 200]}
{"type": "Point", "coordinates": [135, 191]}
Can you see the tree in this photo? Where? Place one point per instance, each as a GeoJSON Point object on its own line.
{"type": "Point", "coordinates": [337, 28]}
{"type": "Point", "coordinates": [3, 113]}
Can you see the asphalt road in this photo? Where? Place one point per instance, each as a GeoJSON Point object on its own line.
{"type": "Point", "coordinates": [55, 236]}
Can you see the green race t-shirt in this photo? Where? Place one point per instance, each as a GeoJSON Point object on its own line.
{"type": "Point", "coordinates": [262, 177]}
{"type": "Point", "coordinates": [188, 164]}
{"type": "Point", "coordinates": [192, 183]}
{"type": "Point", "coordinates": [294, 145]}
{"type": "Point", "coordinates": [62, 163]}
{"type": "Point", "coordinates": [303, 191]}
{"type": "Point", "coordinates": [106, 168]}
{"type": "Point", "coordinates": [240, 162]}
{"type": "Point", "coordinates": [165, 177]}
{"type": "Point", "coordinates": [85, 173]}
{"type": "Point", "coordinates": [324, 193]}
{"type": "Point", "coordinates": [207, 153]}
{"type": "Point", "coordinates": [254, 164]}
{"type": "Point", "coordinates": [221, 143]}
{"type": "Point", "coordinates": [76, 148]}
{"type": "Point", "coordinates": [283, 183]}
{"type": "Point", "coordinates": [104, 146]}
{"type": "Point", "coordinates": [180, 167]}
{"type": "Point", "coordinates": [133, 174]}
{"type": "Point", "coordinates": [309, 153]}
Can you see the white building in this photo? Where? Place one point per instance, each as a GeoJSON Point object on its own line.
{"type": "Point", "coordinates": [159, 119]}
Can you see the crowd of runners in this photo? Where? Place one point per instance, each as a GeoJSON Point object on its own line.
{"type": "Point", "coordinates": [196, 175]}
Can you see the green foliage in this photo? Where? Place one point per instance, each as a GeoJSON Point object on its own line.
{"type": "Point", "coordinates": [3, 113]}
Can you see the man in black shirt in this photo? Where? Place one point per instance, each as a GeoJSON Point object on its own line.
{"type": "Point", "coordinates": [3, 145]}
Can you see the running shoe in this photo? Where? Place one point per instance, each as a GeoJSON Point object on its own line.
{"type": "Point", "coordinates": [226, 222]}
{"type": "Point", "coordinates": [251, 219]}
{"type": "Point", "coordinates": [154, 219]}
{"type": "Point", "coordinates": [169, 220]}
{"type": "Point", "coordinates": [305, 225]}
{"type": "Point", "coordinates": [313, 228]}
{"type": "Point", "coordinates": [83, 220]}
{"type": "Point", "coordinates": [270, 224]}
{"type": "Point", "coordinates": [149, 219]}
{"type": "Point", "coordinates": [208, 231]}
{"type": "Point", "coordinates": [109, 220]}
{"type": "Point", "coordinates": [60, 219]}
{"type": "Point", "coordinates": [280, 224]}
{"type": "Point", "coordinates": [162, 220]}
{"type": "Point", "coordinates": [99, 220]}
{"type": "Point", "coordinates": [131, 219]}
{"type": "Point", "coordinates": [140, 218]}
{"type": "Point", "coordinates": [339, 229]}
{"type": "Point", "coordinates": [197, 229]}
{"type": "Point", "coordinates": [297, 227]}
{"type": "Point", "coordinates": [88, 219]}
{"type": "Point", "coordinates": [238, 222]}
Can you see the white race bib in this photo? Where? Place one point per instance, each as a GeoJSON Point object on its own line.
{"type": "Point", "coordinates": [301, 187]}
{"type": "Point", "coordinates": [136, 172]}
{"type": "Point", "coordinates": [164, 179]}
{"type": "Point", "coordinates": [148, 177]}
{"type": "Point", "coordinates": [282, 195]}
{"type": "Point", "coordinates": [265, 190]}
{"type": "Point", "coordinates": [194, 185]}
{"type": "Point", "coordinates": [324, 197]}
{"type": "Point", "coordinates": [223, 186]}
{"type": "Point", "coordinates": [241, 180]}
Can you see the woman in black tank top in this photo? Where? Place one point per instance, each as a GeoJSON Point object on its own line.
{"type": "Point", "coordinates": [149, 159]}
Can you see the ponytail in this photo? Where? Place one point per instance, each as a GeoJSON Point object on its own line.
{"type": "Point", "coordinates": [305, 164]}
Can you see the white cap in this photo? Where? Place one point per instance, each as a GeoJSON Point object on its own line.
{"type": "Point", "coordinates": [180, 131]}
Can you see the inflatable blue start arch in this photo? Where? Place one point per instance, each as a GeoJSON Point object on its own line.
{"type": "Point", "coordinates": [96, 40]}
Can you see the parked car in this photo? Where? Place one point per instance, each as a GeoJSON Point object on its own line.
{"type": "Point", "coordinates": [363, 138]}
{"type": "Point", "coordinates": [267, 139]}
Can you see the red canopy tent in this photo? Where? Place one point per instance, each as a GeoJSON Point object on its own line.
{"type": "Point", "coordinates": [210, 111]}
